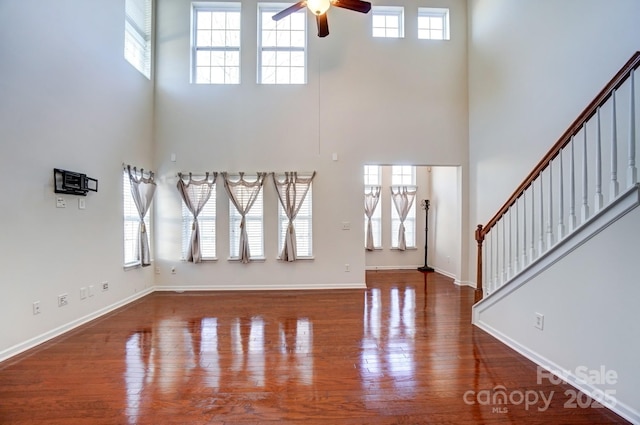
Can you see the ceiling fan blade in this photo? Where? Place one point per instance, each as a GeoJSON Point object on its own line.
{"type": "Point", "coordinates": [357, 5]}
{"type": "Point", "coordinates": [289, 10]}
{"type": "Point", "coordinates": [323, 25]}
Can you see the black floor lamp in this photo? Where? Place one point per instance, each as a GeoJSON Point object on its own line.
{"type": "Point", "coordinates": [425, 207]}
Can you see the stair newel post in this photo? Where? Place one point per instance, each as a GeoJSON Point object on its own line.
{"type": "Point", "coordinates": [479, 239]}
{"type": "Point", "coordinates": [425, 206]}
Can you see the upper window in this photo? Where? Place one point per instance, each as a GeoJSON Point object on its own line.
{"type": "Point", "coordinates": [403, 175]}
{"type": "Point", "coordinates": [137, 35]}
{"type": "Point", "coordinates": [216, 43]}
{"type": "Point", "coordinates": [303, 226]}
{"type": "Point", "coordinates": [207, 226]}
{"type": "Point", "coordinates": [254, 225]}
{"type": "Point", "coordinates": [131, 223]}
{"type": "Point", "coordinates": [433, 23]}
{"type": "Point", "coordinates": [282, 45]}
{"type": "Point", "coordinates": [387, 21]}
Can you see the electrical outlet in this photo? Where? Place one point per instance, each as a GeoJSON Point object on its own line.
{"type": "Point", "coordinates": [91, 287]}
{"type": "Point", "coordinates": [347, 268]}
{"type": "Point", "coordinates": [36, 307]}
{"type": "Point", "coordinates": [346, 225]}
{"type": "Point", "coordinates": [539, 321]}
{"type": "Point", "coordinates": [63, 300]}
{"type": "Point", "coordinates": [105, 286]}
{"type": "Point", "coordinates": [83, 292]}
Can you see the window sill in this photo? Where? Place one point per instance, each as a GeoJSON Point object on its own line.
{"type": "Point", "coordinates": [204, 260]}
{"type": "Point", "coordinates": [409, 248]}
{"type": "Point", "coordinates": [377, 248]}
{"type": "Point", "coordinates": [132, 266]}
{"type": "Point", "coordinates": [297, 259]}
{"type": "Point", "coordinates": [252, 260]}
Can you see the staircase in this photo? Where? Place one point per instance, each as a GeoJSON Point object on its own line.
{"type": "Point", "coordinates": [557, 266]}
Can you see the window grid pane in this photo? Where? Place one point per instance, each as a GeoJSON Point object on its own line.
{"type": "Point", "coordinates": [216, 50]}
{"type": "Point", "coordinates": [403, 175]}
{"type": "Point", "coordinates": [303, 224]}
{"type": "Point", "coordinates": [254, 226]}
{"type": "Point", "coordinates": [387, 22]}
{"type": "Point", "coordinates": [282, 47]}
{"type": "Point", "coordinates": [137, 35]}
{"type": "Point", "coordinates": [207, 225]}
{"type": "Point", "coordinates": [131, 221]}
{"type": "Point", "coordinates": [433, 23]}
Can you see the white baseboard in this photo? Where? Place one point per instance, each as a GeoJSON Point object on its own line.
{"type": "Point", "coordinates": [374, 268]}
{"type": "Point", "coordinates": [280, 287]}
{"type": "Point", "coordinates": [35, 341]}
{"type": "Point", "coordinates": [569, 377]}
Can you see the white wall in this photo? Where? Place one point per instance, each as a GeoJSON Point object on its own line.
{"type": "Point", "coordinates": [69, 100]}
{"type": "Point", "coordinates": [384, 101]}
{"type": "Point", "coordinates": [589, 302]}
{"type": "Point", "coordinates": [445, 222]}
{"type": "Point", "coordinates": [534, 65]}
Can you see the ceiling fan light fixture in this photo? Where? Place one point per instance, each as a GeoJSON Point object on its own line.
{"type": "Point", "coordinates": [318, 7]}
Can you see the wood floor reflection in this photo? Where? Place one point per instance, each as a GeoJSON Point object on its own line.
{"type": "Point", "coordinates": [401, 352]}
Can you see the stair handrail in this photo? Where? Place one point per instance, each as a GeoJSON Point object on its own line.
{"type": "Point", "coordinates": [481, 231]}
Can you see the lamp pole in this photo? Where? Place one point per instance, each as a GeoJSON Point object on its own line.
{"type": "Point", "coordinates": [425, 206]}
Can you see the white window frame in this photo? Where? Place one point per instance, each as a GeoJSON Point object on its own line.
{"type": "Point", "coordinates": [254, 221]}
{"type": "Point", "coordinates": [283, 71]}
{"type": "Point", "coordinates": [227, 70]}
{"type": "Point", "coordinates": [137, 35]}
{"type": "Point", "coordinates": [131, 218]}
{"type": "Point", "coordinates": [304, 233]}
{"type": "Point", "coordinates": [208, 228]}
{"type": "Point", "coordinates": [426, 16]}
{"type": "Point", "coordinates": [403, 175]}
{"type": "Point", "coordinates": [386, 29]}
{"type": "Point", "coordinates": [373, 177]}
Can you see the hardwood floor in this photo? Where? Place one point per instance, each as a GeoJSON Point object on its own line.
{"type": "Point", "coordinates": [387, 355]}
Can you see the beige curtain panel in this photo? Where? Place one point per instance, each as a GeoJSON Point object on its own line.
{"type": "Point", "coordinates": [403, 198]}
{"type": "Point", "coordinates": [292, 189]}
{"type": "Point", "coordinates": [371, 199]}
{"type": "Point", "coordinates": [243, 194]}
{"type": "Point", "coordinates": [142, 191]}
{"type": "Point", "coordinates": [195, 194]}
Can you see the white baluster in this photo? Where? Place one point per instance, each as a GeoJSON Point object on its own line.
{"type": "Point", "coordinates": [504, 249]}
{"type": "Point", "coordinates": [541, 239]}
{"type": "Point", "coordinates": [496, 273]}
{"type": "Point", "coordinates": [585, 200]}
{"type": "Point", "coordinates": [516, 266]}
{"type": "Point", "coordinates": [615, 187]}
{"type": "Point", "coordinates": [533, 224]}
{"type": "Point", "coordinates": [510, 266]}
{"type": "Point", "coordinates": [524, 230]}
{"type": "Point", "coordinates": [572, 190]}
{"type": "Point", "coordinates": [561, 199]}
{"type": "Point", "coordinates": [550, 207]}
{"type": "Point", "coordinates": [598, 195]}
{"type": "Point", "coordinates": [632, 172]}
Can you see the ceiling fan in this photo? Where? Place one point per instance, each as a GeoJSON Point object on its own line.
{"type": "Point", "coordinates": [320, 7]}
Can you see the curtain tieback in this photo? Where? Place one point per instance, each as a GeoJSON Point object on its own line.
{"type": "Point", "coordinates": [143, 227]}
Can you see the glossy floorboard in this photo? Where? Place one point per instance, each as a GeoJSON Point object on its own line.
{"type": "Point", "coordinates": [401, 352]}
